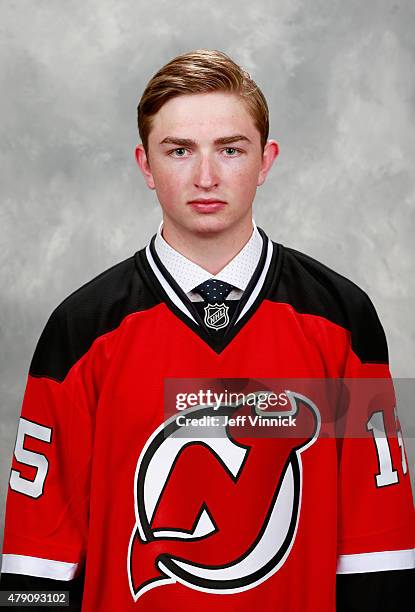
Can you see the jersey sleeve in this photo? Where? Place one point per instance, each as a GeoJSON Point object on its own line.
{"type": "Point", "coordinates": [376, 518]}
{"type": "Point", "coordinates": [47, 505]}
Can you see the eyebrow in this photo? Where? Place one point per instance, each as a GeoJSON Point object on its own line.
{"type": "Point", "coordinates": [188, 142]}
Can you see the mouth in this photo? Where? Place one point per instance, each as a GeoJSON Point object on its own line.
{"type": "Point", "coordinates": [207, 205]}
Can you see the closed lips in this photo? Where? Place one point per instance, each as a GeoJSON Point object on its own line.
{"type": "Point", "coordinates": [207, 202]}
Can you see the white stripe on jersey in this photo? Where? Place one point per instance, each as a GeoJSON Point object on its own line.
{"type": "Point", "coordinates": [36, 566]}
{"type": "Point", "coordinates": [376, 561]}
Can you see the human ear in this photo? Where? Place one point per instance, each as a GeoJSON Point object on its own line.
{"type": "Point", "coordinates": [271, 151]}
{"type": "Point", "coordinates": [144, 165]}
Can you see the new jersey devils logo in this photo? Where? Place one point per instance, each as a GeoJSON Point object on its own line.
{"type": "Point", "coordinates": [217, 513]}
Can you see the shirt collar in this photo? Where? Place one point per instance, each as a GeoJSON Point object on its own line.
{"type": "Point", "coordinates": [188, 274]}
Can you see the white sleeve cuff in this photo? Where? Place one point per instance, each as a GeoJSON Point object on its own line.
{"type": "Point", "coordinates": [376, 561]}
{"type": "Point", "coordinates": [35, 566]}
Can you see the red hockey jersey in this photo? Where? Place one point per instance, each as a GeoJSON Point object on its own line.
{"type": "Point", "coordinates": [101, 483]}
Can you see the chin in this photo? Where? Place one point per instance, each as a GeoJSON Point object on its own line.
{"type": "Point", "coordinates": [209, 225]}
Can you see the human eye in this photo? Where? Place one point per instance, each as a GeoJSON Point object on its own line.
{"type": "Point", "coordinates": [234, 151]}
{"type": "Point", "coordinates": [179, 150]}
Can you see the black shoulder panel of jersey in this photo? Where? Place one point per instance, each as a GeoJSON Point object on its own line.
{"type": "Point", "coordinates": [94, 309]}
{"type": "Point", "coordinates": [311, 287]}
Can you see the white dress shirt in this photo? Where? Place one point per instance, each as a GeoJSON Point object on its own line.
{"type": "Point", "coordinates": [188, 275]}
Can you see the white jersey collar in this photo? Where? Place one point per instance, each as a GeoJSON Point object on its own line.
{"type": "Point", "coordinates": [188, 274]}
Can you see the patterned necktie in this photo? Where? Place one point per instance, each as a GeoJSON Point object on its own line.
{"type": "Point", "coordinates": [214, 291]}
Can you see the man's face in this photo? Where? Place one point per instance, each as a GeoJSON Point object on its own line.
{"type": "Point", "coordinates": [205, 147]}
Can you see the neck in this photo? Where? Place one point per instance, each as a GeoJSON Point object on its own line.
{"type": "Point", "coordinates": [210, 250]}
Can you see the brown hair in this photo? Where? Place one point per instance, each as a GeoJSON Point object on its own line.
{"type": "Point", "coordinates": [201, 71]}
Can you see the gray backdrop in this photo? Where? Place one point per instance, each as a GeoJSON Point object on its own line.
{"type": "Point", "coordinates": [339, 78]}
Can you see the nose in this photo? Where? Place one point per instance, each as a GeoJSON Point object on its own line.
{"type": "Point", "coordinates": [206, 176]}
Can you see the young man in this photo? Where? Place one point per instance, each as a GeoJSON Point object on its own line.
{"type": "Point", "coordinates": [105, 487]}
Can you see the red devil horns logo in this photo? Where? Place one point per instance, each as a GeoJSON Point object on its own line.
{"type": "Point", "coordinates": [217, 512]}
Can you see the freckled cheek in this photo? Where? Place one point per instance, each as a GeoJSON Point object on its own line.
{"type": "Point", "coordinates": [243, 180]}
{"type": "Point", "coordinates": [171, 184]}
{"type": "Point", "coordinates": [171, 179]}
